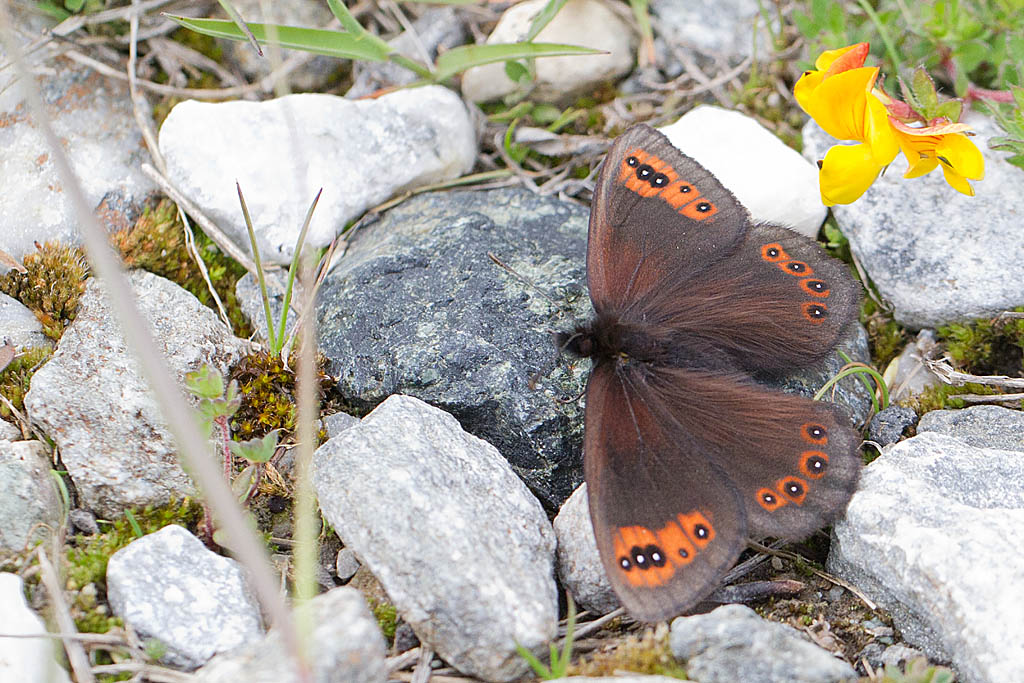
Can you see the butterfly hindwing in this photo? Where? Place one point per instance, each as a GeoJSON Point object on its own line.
{"type": "Point", "coordinates": [667, 521]}
{"type": "Point", "coordinates": [652, 205]}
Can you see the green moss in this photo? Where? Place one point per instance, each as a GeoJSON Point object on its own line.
{"type": "Point", "coordinates": [157, 243]}
{"type": "Point", "coordinates": [987, 347]}
{"type": "Point", "coordinates": [88, 555]}
{"type": "Point", "coordinates": [387, 618]}
{"type": "Point", "coordinates": [266, 388]}
{"type": "Point", "coordinates": [938, 397]}
{"type": "Point", "coordinates": [51, 285]}
{"type": "Point", "coordinates": [15, 378]}
{"type": "Point", "coordinates": [646, 653]}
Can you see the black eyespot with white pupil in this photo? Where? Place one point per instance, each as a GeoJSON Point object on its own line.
{"type": "Point", "coordinates": [701, 531]}
{"type": "Point", "coordinates": [703, 207]}
{"type": "Point", "coordinates": [659, 180]}
{"type": "Point", "coordinates": [816, 464]}
{"type": "Point", "coordinates": [817, 312]}
{"type": "Point", "coordinates": [772, 252]}
{"type": "Point", "coordinates": [796, 267]}
{"type": "Point", "coordinates": [768, 498]}
{"type": "Point", "coordinates": [794, 489]}
{"type": "Point", "coordinates": [816, 432]}
{"type": "Point", "coordinates": [816, 285]}
{"type": "Point", "coordinates": [632, 161]}
{"type": "Point", "coordinates": [625, 563]}
{"type": "Point", "coordinates": [685, 189]}
{"type": "Point", "coordinates": [644, 171]}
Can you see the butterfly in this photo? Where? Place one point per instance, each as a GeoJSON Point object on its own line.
{"type": "Point", "coordinates": [685, 455]}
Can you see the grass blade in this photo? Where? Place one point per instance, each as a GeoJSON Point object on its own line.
{"type": "Point", "coordinates": [466, 56]}
{"type": "Point", "coordinates": [315, 40]}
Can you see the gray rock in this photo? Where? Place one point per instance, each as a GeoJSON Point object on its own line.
{"type": "Point", "coordinates": [250, 300]}
{"type": "Point", "coordinates": [315, 72]}
{"type": "Point", "coordinates": [980, 426]}
{"type": "Point", "coordinates": [620, 677]}
{"type": "Point", "coordinates": [25, 659]}
{"type": "Point", "coordinates": [888, 426]}
{"type": "Point", "coordinates": [84, 521]}
{"type": "Point", "coordinates": [899, 655]}
{"type": "Point", "coordinates": [721, 28]}
{"type": "Point", "coordinates": [733, 644]}
{"type": "Point", "coordinates": [20, 327]}
{"type": "Point", "coordinates": [168, 586]}
{"type": "Point", "coordinates": [935, 534]}
{"type": "Point", "coordinates": [908, 374]}
{"type": "Point", "coordinates": [347, 564]}
{"type": "Point", "coordinates": [463, 550]}
{"type": "Point", "coordinates": [361, 152]}
{"type": "Point", "coordinates": [92, 116]}
{"type": "Point", "coordinates": [937, 255]}
{"type": "Point", "coordinates": [437, 28]}
{"type": "Point", "coordinates": [417, 307]}
{"type": "Point", "coordinates": [9, 432]}
{"type": "Point", "coordinates": [92, 401]}
{"type": "Point", "coordinates": [579, 564]}
{"type": "Point", "coordinates": [31, 508]}
{"type": "Point", "coordinates": [338, 422]}
{"type": "Point", "coordinates": [345, 646]}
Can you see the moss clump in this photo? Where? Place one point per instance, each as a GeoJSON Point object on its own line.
{"type": "Point", "coordinates": [88, 555]}
{"type": "Point", "coordinates": [267, 390]}
{"type": "Point", "coordinates": [886, 338]}
{"type": "Point", "coordinates": [387, 618]}
{"type": "Point", "coordinates": [987, 347]}
{"type": "Point", "coordinates": [938, 397]}
{"type": "Point", "coordinates": [15, 378]}
{"type": "Point", "coordinates": [646, 653]}
{"type": "Point", "coordinates": [51, 285]}
{"type": "Point", "coordinates": [157, 243]}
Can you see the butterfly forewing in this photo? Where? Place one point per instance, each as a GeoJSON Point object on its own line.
{"type": "Point", "coordinates": [656, 215]}
{"type": "Point", "coordinates": [667, 521]}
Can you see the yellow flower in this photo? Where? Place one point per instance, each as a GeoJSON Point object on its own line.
{"type": "Point", "coordinates": [840, 96]}
{"type": "Point", "coordinates": [945, 144]}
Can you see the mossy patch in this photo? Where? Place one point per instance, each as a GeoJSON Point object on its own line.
{"type": "Point", "coordinates": [646, 652]}
{"type": "Point", "coordinates": [157, 243]}
{"type": "Point", "coordinates": [939, 397]}
{"type": "Point", "coordinates": [16, 377]}
{"type": "Point", "coordinates": [51, 286]}
{"type": "Point", "coordinates": [987, 347]}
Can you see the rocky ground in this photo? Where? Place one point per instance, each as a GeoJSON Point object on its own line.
{"type": "Point", "coordinates": [453, 525]}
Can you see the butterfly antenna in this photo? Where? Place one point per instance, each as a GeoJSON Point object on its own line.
{"type": "Point", "coordinates": [527, 281]}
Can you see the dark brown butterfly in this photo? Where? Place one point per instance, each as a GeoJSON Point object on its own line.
{"type": "Point", "coordinates": [685, 456]}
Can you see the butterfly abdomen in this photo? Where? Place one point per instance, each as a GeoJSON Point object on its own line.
{"type": "Point", "coordinates": [609, 337]}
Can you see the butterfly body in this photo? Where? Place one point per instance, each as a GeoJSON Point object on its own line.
{"type": "Point", "coordinates": [685, 455]}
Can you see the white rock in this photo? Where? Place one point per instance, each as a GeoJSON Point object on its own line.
{"type": "Point", "coordinates": [168, 586]}
{"type": "Point", "coordinates": [25, 659]}
{"type": "Point", "coordinates": [91, 114]}
{"type": "Point", "coordinates": [772, 180]}
{"type": "Point", "coordinates": [30, 506]}
{"type": "Point", "coordinates": [283, 151]}
{"type": "Point", "coordinates": [590, 23]}
{"type": "Point", "coordinates": [18, 325]}
{"type": "Point", "coordinates": [579, 564]}
{"type": "Point", "coordinates": [92, 401]}
{"type": "Point", "coordinates": [724, 28]}
{"type": "Point", "coordinates": [935, 534]}
{"type": "Point", "coordinates": [463, 549]}
{"type": "Point", "coordinates": [345, 645]}
{"type": "Point", "coordinates": [938, 256]}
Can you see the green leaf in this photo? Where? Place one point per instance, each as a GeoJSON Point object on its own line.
{"type": "Point", "coordinates": [517, 72]}
{"type": "Point", "coordinates": [258, 449]}
{"type": "Point", "coordinates": [205, 382]}
{"type": "Point", "coordinates": [460, 58]}
{"type": "Point", "coordinates": [348, 22]}
{"type": "Point", "coordinates": [315, 40]}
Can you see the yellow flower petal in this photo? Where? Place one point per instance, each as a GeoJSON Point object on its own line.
{"type": "Point", "coordinates": [854, 57]}
{"type": "Point", "coordinates": [961, 155]}
{"type": "Point", "coordinates": [957, 181]}
{"type": "Point", "coordinates": [846, 172]}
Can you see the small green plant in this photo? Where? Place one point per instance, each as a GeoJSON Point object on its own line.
{"type": "Point", "coordinates": [917, 670]}
{"type": "Point", "coordinates": [16, 377]}
{"type": "Point", "coordinates": [50, 285]}
{"type": "Point", "coordinates": [558, 663]}
{"type": "Point", "coordinates": [355, 42]}
{"type": "Point", "coordinates": [987, 347]}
